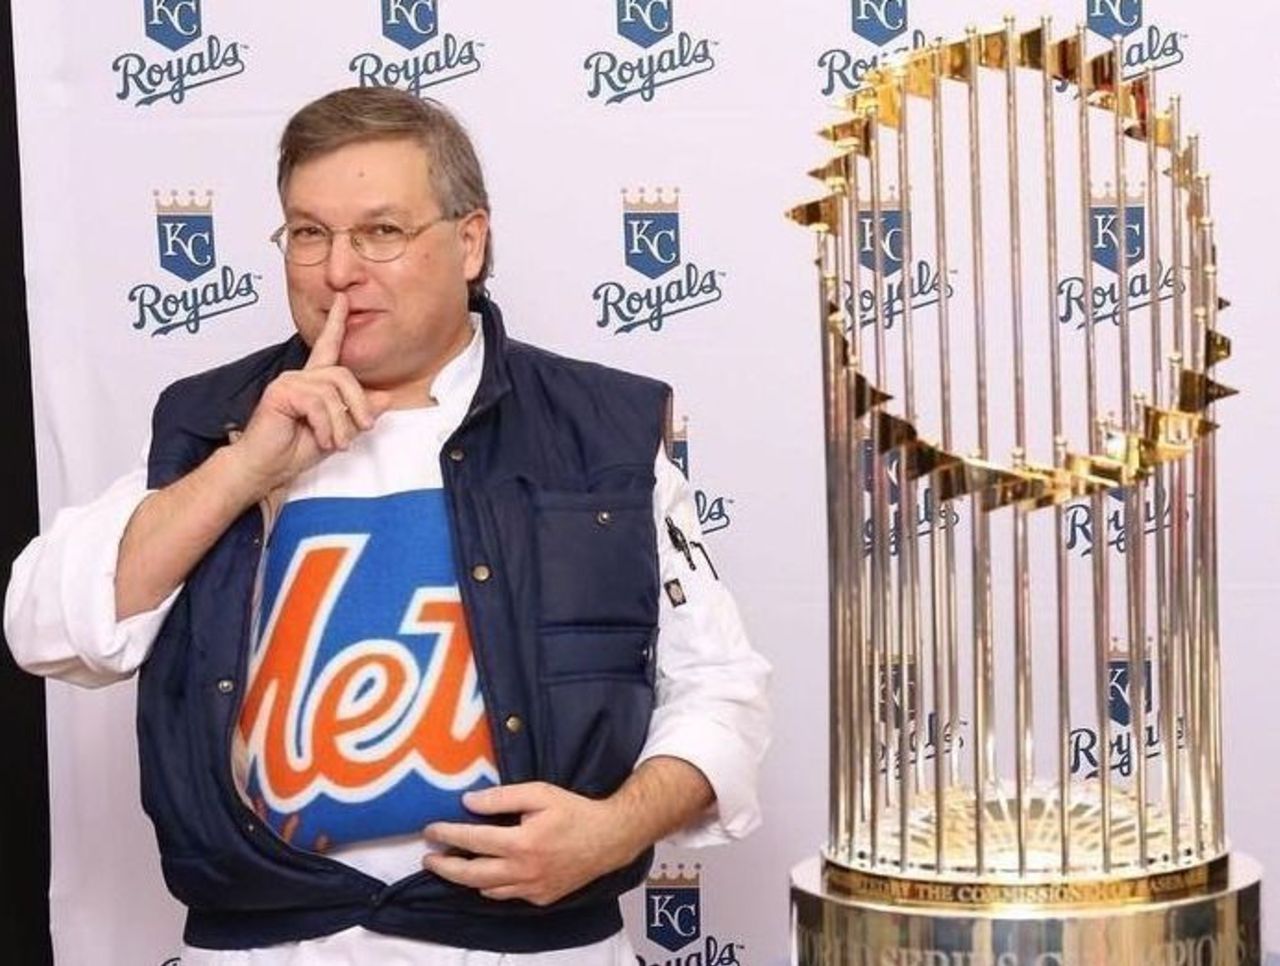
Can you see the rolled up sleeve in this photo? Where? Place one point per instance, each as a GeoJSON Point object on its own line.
{"type": "Point", "coordinates": [60, 607]}
{"type": "Point", "coordinates": [711, 707]}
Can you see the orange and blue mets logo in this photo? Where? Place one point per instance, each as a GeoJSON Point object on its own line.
{"type": "Point", "coordinates": [363, 716]}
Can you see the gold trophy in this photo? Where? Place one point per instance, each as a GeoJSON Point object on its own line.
{"type": "Point", "coordinates": [965, 828]}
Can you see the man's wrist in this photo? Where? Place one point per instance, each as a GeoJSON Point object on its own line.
{"type": "Point", "coordinates": [236, 478]}
{"type": "Point", "coordinates": [661, 796]}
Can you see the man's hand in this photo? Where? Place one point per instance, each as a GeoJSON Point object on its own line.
{"type": "Point", "coordinates": [563, 840]}
{"type": "Point", "coordinates": [301, 417]}
{"type": "Point", "coordinates": [308, 413]}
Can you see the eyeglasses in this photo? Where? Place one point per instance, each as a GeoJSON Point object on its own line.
{"type": "Point", "coordinates": [306, 243]}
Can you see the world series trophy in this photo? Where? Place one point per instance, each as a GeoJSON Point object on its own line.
{"type": "Point", "coordinates": [1026, 752]}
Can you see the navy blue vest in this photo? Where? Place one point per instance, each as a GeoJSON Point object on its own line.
{"type": "Point", "coordinates": [549, 482]}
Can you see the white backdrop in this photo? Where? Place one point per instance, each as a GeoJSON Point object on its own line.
{"type": "Point", "coordinates": [570, 104]}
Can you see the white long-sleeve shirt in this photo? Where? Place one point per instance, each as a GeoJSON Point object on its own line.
{"type": "Point", "coordinates": [710, 709]}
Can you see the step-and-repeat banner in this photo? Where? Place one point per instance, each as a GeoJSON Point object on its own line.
{"type": "Point", "coordinates": [148, 132]}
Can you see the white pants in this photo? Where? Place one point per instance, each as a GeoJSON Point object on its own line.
{"type": "Point", "coordinates": [359, 947]}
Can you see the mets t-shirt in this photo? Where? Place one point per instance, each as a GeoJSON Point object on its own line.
{"type": "Point", "coordinates": [363, 718]}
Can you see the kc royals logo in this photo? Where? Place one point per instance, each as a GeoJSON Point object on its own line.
{"type": "Point", "coordinates": [1110, 233]}
{"type": "Point", "coordinates": [651, 246]}
{"type": "Point", "coordinates": [673, 908]}
{"type": "Point", "coordinates": [680, 448]}
{"type": "Point", "coordinates": [185, 234]}
{"type": "Point", "coordinates": [187, 250]}
{"type": "Point", "coordinates": [673, 920]}
{"type": "Point", "coordinates": [1082, 530]}
{"type": "Point", "coordinates": [881, 26]}
{"type": "Point", "coordinates": [927, 735]}
{"type": "Point", "coordinates": [173, 24]}
{"type": "Point", "coordinates": [898, 692]}
{"type": "Point", "coordinates": [178, 27]}
{"type": "Point", "coordinates": [651, 233]}
{"type": "Point", "coordinates": [426, 57]}
{"type": "Point", "coordinates": [410, 23]}
{"type": "Point", "coordinates": [879, 21]}
{"type": "Point", "coordinates": [645, 22]}
{"type": "Point", "coordinates": [666, 56]}
{"type": "Point", "coordinates": [930, 516]}
{"type": "Point", "coordinates": [713, 511]}
{"type": "Point", "coordinates": [1119, 696]}
{"type": "Point", "coordinates": [1085, 745]}
{"type": "Point", "coordinates": [888, 239]}
{"type": "Point", "coordinates": [1144, 45]}
{"type": "Point", "coordinates": [886, 244]}
{"type": "Point", "coordinates": [1114, 18]}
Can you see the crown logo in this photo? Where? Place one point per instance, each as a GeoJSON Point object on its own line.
{"type": "Point", "coordinates": [681, 435]}
{"type": "Point", "coordinates": [890, 202]}
{"type": "Point", "coordinates": [678, 879]}
{"type": "Point", "coordinates": [659, 204]}
{"type": "Point", "coordinates": [175, 206]}
{"type": "Point", "coordinates": [1117, 652]}
{"type": "Point", "coordinates": [1108, 197]}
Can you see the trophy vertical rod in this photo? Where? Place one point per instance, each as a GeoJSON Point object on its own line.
{"type": "Point", "coordinates": [984, 743]}
{"type": "Point", "coordinates": [1196, 668]}
{"type": "Point", "coordinates": [909, 625]}
{"type": "Point", "coordinates": [830, 361]}
{"type": "Point", "coordinates": [1211, 667]}
{"type": "Point", "coordinates": [853, 489]}
{"type": "Point", "coordinates": [1023, 766]}
{"type": "Point", "coordinates": [858, 457]}
{"type": "Point", "coordinates": [1160, 499]}
{"type": "Point", "coordinates": [1177, 715]}
{"type": "Point", "coordinates": [1214, 725]}
{"type": "Point", "coordinates": [1059, 455]}
{"type": "Point", "coordinates": [839, 495]}
{"type": "Point", "coordinates": [942, 568]}
{"type": "Point", "coordinates": [1135, 542]}
{"type": "Point", "coordinates": [1101, 592]}
{"type": "Point", "coordinates": [880, 498]}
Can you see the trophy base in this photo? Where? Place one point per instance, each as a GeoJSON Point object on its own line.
{"type": "Point", "coordinates": [1220, 927]}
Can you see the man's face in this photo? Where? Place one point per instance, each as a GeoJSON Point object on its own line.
{"type": "Point", "coordinates": [407, 316]}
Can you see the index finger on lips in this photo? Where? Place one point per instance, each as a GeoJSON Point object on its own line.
{"type": "Point", "coordinates": [353, 396]}
{"type": "Point", "coordinates": [328, 343]}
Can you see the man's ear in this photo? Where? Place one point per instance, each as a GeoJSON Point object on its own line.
{"type": "Point", "coordinates": [473, 231]}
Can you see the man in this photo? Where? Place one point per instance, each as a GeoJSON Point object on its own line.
{"type": "Point", "coordinates": [429, 653]}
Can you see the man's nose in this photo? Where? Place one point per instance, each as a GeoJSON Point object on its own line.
{"type": "Point", "coordinates": [344, 267]}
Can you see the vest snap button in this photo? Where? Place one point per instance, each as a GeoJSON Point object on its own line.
{"type": "Point", "coordinates": [457, 455]}
{"type": "Point", "coordinates": [481, 573]}
{"type": "Point", "coordinates": [514, 723]}
{"type": "Point", "coordinates": [604, 517]}
{"type": "Point", "coordinates": [226, 686]}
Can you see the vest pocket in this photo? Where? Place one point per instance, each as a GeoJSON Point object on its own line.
{"type": "Point", "coordinates": [597, 616]}
{"type": "Point", "coordinates": [597, 559]}
{"type": "Point", "coordinates": [597, 689]}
